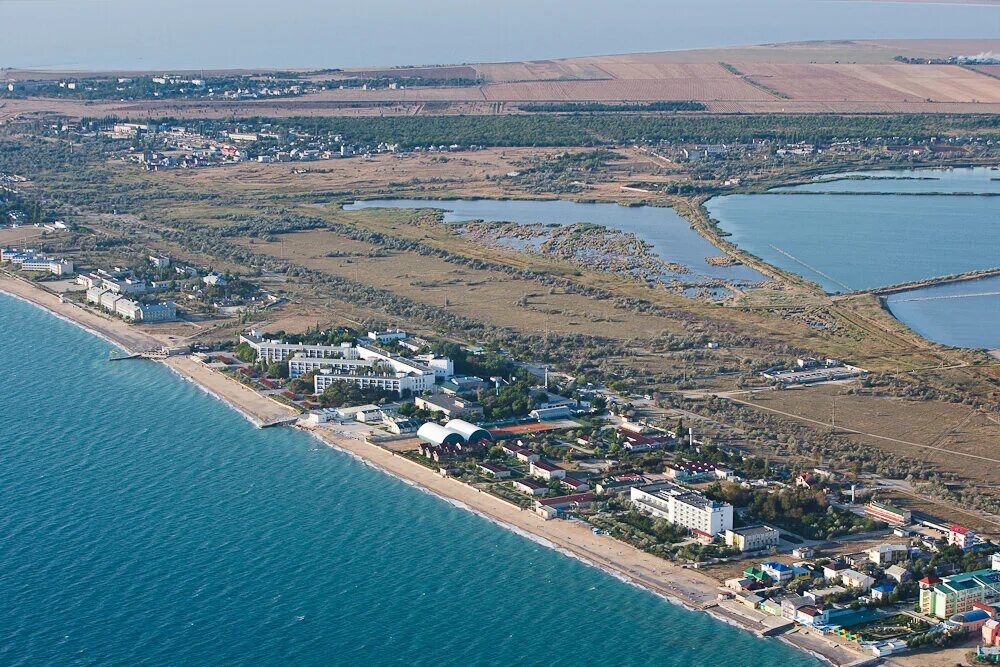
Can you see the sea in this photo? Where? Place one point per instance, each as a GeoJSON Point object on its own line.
{"type": "Point", "coordinates": [145, 522]}
{"type": "Point", "coordinates": [192, 34]}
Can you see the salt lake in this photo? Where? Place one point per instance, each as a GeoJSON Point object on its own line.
{"type": "Point", "coordinates": [862, 230]}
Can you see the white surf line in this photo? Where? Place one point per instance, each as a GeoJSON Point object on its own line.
{"type": "Point", "coordinates": [811, 268]}
{"type": "Point", "coordinates": [946, 296]}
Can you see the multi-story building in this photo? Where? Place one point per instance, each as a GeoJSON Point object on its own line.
{"type": "Point", "coordinates": [752, 538]}
{"type": "Point", "coordinates": [960, 536]}
{"type": "Point", "coordinates": [400, 383]}
{"type": "Point", "coordinates": [278, 350]}
{"type": "Point", "coordinates": [959, 592]}
{"type": "Point", "coordinates": [683, 507]}
{"type": "Point", "coordinates": [886, 554]}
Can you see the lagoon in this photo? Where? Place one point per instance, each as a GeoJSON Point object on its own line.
{"type": "Point", "coordinates": [670, 235]}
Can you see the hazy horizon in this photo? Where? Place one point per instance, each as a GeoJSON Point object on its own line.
{"type": "Point", "coordinates": [183, 34]}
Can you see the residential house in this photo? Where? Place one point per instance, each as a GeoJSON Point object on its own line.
{"type": "Point", "coordinates": [519, 452]}
{"type": "Point", "coordinates": [857, 580]}
{"type": "Point", "coordinates": [779, 572]}
{"type": "Point", "coordinates": [898, 573]}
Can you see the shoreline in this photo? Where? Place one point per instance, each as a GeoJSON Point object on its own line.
{"type": "Point", "coordinates": [685, 587]}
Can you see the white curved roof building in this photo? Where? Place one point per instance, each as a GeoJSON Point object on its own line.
{"type": "Point", "coordinates": [469, 432]}
{"type": "Point", "coordinates": [439, 435]}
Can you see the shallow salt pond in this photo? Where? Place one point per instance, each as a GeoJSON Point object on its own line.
{"type": "Point", "coordinates": [883, 231]}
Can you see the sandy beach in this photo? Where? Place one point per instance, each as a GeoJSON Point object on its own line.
{"type": "Point", "coordinates": [678, 584]}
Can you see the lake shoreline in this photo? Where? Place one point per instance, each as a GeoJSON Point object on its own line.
{"type": "Point", "coordinates": [685, 587]}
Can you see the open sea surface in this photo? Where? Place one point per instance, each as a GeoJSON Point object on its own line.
{"type": "Point", "coordinates": [191, 34]}
{"type": "Point", "coordinates": [145, 522]}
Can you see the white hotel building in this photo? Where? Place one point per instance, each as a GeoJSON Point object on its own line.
{"type": "Point", "coordinates": [683, 507]}
{"type": "Point", "coordinates": [366, 365]}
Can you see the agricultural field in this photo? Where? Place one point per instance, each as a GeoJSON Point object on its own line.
{"type": "Point", "coordinates": [875, 83]}
{"type": "Point", "coordinates": [641, 89]}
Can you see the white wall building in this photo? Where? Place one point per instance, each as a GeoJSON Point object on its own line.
{"type": "Point", "coordinates": [683, 507]}
{"type": "Point", "coordinates": [398, 382]}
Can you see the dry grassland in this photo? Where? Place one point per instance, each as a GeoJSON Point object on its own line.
{"type": "Point", "coordinates": [951, 437]}
{"type": "Point", "coordinates": [484, 295]}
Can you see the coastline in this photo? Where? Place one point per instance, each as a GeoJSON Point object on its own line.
{"type": "Point", "coordinates": [678, 585]}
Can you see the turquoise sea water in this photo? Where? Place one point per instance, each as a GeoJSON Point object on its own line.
{"type": "Point", "coordinates": [144, 522]}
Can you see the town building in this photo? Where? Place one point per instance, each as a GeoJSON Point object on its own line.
{"type": "Point", "coordinates": [550, 508]}
{"type": "Point", "coordinates": [495, 470]}
{"type": "Point", "coordinates": [892, 515]}
{"type": "Point", "coordinates": [530, 487]}
{"type": "Point", "coordinates": [821, 595]}
{"type": "Point", "coordinates": [960, 536]}
{"type": "Point", "coordinates": [574, 485]}
{"type": "Point", "coordinates": [991, 632]}
{"type": "Point", "coordinates": [366, 366]}
{"type": "Point", "coordinates": [683, 507]}
{"type": "Point", "coordinates": [752, 538]}
{"type": "Point", "coordinates": [383, 337]}
{"type": "Point", "coordinates": [146, 312]}
{"type": "Point", "coordinates": [948, 596]}
{"type": "Point", "coordinates": [792, 603]}
{"type": "Point", "coordinates": [451, 407]}
{"type": "Point", "coordinates": [214, 279]}
{"type": "Point", "coordinates": [27, 260]}
{"type": "Point", "coordinates": [463, 385]}
{"type": "Point", "coordinates": [831, 571]}
{"type": "Point", "coordinates": [779, 572]}
{"type": "Point", "coordinates": [857, 580]}
{"type": "Point", "coordinates": [690, 471]}
{"type": "Point", "coordinates": [545, 470]}
{"type": "Point", "coordinates": [898, 573]}
{"type": "Point", "coordinates": [550, 414]}
{"type": "Point", "coordinates": [520, 452]}
{"type": "Point", "coordinates": [886, 554]}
